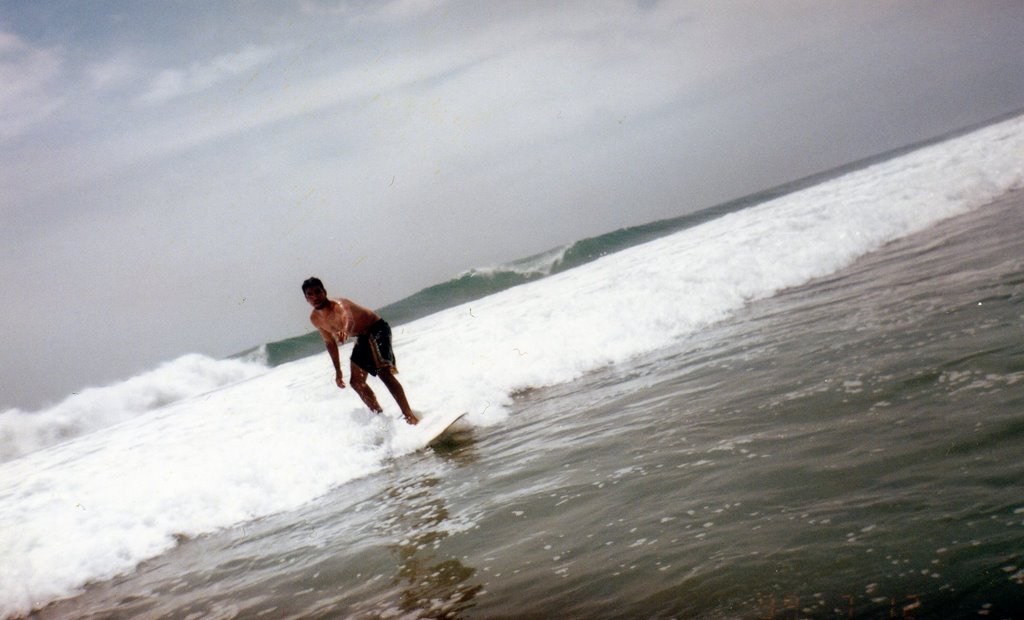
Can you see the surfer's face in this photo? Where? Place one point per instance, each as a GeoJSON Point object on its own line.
{"type": "Point", "coordinates": [316, 296]}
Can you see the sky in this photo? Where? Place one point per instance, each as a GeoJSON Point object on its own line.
{"type": "Point", "coordinates": [170, 172]}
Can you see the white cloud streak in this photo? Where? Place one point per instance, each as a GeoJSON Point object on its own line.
{"type": "Point", "coordinates": [173, 83]}
{"type": "Point", "coordinates": [29, 77]}
{"type": "Point", "coordinates": [373, 11]}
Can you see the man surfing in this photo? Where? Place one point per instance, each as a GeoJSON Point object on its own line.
{"type": "Point", "coordinates": [336, 320]}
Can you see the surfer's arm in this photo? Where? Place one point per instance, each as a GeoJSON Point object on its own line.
{"type": "Point", "coordinates": [332, 350]}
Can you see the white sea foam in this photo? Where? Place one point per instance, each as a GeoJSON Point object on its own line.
{"type": "Point", "coordinates": [22, 432]}
{"type": "Point", "coordinates": [99, 504]}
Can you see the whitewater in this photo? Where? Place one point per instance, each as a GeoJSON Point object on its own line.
{"type": "Point", "coordinates": [95, 486]}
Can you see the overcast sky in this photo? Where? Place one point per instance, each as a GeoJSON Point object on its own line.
{"type": "Point", "coordinates": [171, 171]}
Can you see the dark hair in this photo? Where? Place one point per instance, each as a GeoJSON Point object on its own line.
{"type": "Point", "coordinates": [312, 283]}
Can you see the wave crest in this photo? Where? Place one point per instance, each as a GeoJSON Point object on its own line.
{"type": "Point", "coordinates": [22, 432]}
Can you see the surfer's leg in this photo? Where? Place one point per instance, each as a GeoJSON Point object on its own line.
{"type": "Point", "coordinates": [357, 379]}
{"type": "Point", "coordinates": [398, 392]}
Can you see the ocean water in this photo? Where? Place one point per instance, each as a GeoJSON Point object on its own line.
{"type": "Point", "coordinates": [810, 405]}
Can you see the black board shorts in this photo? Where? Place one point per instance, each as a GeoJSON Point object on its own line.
{"type": "Point", "coordinates": [372, 350]}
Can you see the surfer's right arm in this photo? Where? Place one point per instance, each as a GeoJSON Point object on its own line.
{"type": "Point", "coordinates": [332, 350]}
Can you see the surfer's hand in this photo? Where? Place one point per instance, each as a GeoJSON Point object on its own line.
{"type": "Point", "coordinates": [340, 380]}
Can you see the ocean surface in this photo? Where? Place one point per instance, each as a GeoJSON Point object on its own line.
{"type": "Point", "coordinates": [805, 404]}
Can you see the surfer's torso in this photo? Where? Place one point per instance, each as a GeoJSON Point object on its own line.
{"type": "Point", "coordinates": [338, 319]}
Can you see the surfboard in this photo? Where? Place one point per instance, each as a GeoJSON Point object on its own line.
{"type": "Point", "coordinates": [433, 425]}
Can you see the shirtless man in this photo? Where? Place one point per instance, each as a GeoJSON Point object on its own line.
{"type": "Point", "coordinates": [337, 319]}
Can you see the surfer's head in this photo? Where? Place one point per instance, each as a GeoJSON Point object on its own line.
{"type": "Point", "coordinates": [312, 283]}
{"type": "Point", "coordinates": [315, 294]}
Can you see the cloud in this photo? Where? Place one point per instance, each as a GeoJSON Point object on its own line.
{"type": "Point", "coordinates": [110, 73]}
{"type": "Point", "coordinates": [172, 83]}
{"type": "Point", "coordinates": [30, 78]}
{"type": "Point", "coordinates": [388, 10]}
